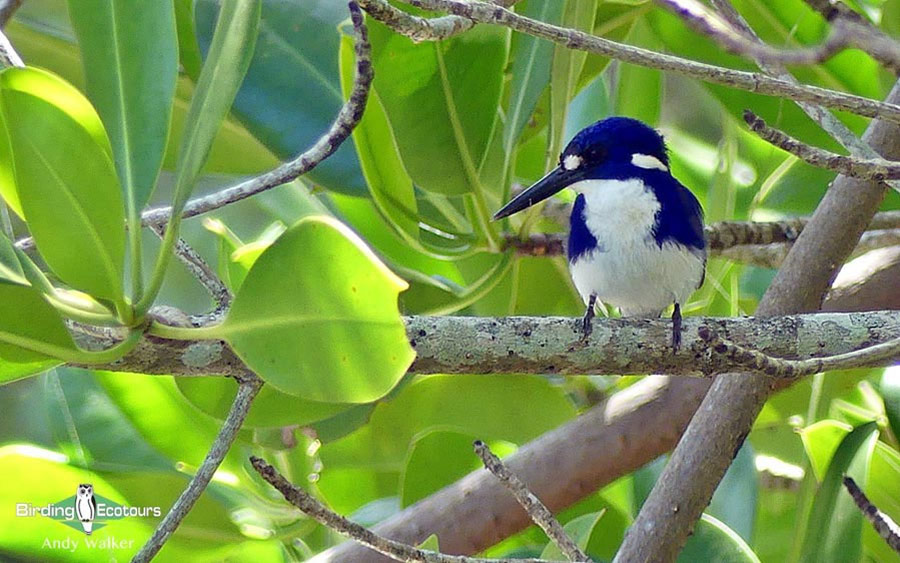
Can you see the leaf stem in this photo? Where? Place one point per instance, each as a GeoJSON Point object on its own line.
{"type": "Point", "coordinates": [74, 355]}
{"type": "Point", "coordinates": [182, 332]}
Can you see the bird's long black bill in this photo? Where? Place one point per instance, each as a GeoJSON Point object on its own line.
{"type": "Point", "coordinates": [554, 181]}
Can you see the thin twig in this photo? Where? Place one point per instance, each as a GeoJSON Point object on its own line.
{"type": "Point", "coordinates": [248, 387]}
{"type": "Point", "coordinates": [883, 524]}
{"type": "Point", "coordinates": [7, 9]}
{"type": "Point", "coordinates": [779, 367]}
{"type": "Point", "coordinates": [879, 45]}
{"type": "Point", "coordinates": [347, 119]}
{"type": "Point", "coordinates": [842, 36]}
{"type": "Point", "coordinates": [8, 55]}
{"type": "Point", "coordinates": [420, 29]}
{"type": "Point", "coordinates": [482, 12]}
{"type": "Point", "coordinates": [878, 169]}
{"type": "Point", "coordinates": [826, 120]}
{"type": "Point", "coordinates": [536, 510]}
{"type": "Point", "coordinates": [200, 270]}
{"type": "Point", "coordinates": [390, 548]}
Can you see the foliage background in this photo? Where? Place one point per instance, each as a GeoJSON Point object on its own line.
{"type": "Point", "coordinates": [448, 125]}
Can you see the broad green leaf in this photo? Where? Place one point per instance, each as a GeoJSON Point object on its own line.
{"type": "Point", "coordinates": [491, 407]}
{"type": "Point", "coordinates": [566, 70]}
{"type": "Point", "coordinates": [639, 89]}
{"type": "Point", "coordinates": [27, 319]}
{"type": "Point", "coordinates": [188, 50]}
{"type": "Point", "coordinates": [271, 408]}
{"type": "Point", "coordinates": [14, 371]}
{"type": "Point", "coordinates": [295, 60]}
{"type": "Point", "coordinates": [224, 69]}
{"type": "Point", "coordinates": [821, 440]}
{"type": "Point", "coordinates": [389, 185]}
{"type": "Point", "coordinates": [890, 393]}
{"type": "Point", "coordinates": [317, 317]}
{"type": "Point", "coordinates": [10, 267]}
{"type": "Point", "coordinates": [65, 180]}
{"type": "Point", "coordinates": [130, 54]}
{"type": "Point", "coordinates": [835, 524]}
{"type": "Point", "coordinates": [735, 500]}
{"type": "Point", "coordinates": [442, 129]}
{"type": "Point", "coordinates": [712, 540]}
{"type": "Point", "coordinates": [436, 459]}
{"type": "Point", "coordinates": [582, 530]}
{"type": "Point", "coordinates": [530, 69]}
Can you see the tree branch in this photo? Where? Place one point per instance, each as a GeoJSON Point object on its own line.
{"type": "Point", "coordinates": [536, 510]}
{"type": "Point", "coordinates": [424, 29]}
{"type": "Point", "coordinates": [7, 9]}
{"type": "Point", "coordinates": [201, 271]}
{"type": "Point", "coordinates": [867, 283]}
{"type": "Point", "coordinates": [320, 513]}
{"type": "Point", "coordinates": [886, 528]}
{"type": "Point", "coordinates": [545, 345]}
{"type": "Point", "coordinates": [248, 387]}
{"type": "Point", "coordinates": [843, 35]}
{"type": "Point", "coordinates": [879, 45]}
{"type": "Point", "coordinates": [482, 12]}
{"type": "Point", "coordinates": [878, 169]}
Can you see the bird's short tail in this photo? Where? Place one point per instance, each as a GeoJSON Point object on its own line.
{"type": "Point", "coordinates": [88, 526]}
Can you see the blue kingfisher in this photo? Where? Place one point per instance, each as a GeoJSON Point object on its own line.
{"type": "Point", "coordinates": [636, 233]}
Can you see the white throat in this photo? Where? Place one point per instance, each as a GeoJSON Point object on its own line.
{"type": "Point", "coordinates": [618, 210]}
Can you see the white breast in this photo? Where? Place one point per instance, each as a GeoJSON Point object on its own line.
{"type": "Point", "coordinates": [629, 270]}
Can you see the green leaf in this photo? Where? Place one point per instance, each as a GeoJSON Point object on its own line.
{"type": "Point", "coordinates": [188, 49]}
{"type": "Point", "coordinates": [65, 180]}
{"type": "Point", "coordinates": [389, 185]}
{"type": "Point", "coordinates": [639, 89]}
{"type": "Point", "coordinates": [890, 393]}
{"type": "Point", "coordinates": [129, 50]}
{"type": "Point", "coordinates": [295, 59]}
{"type": "Point", "coordinates": [28, 320]}
{"type": "Point", "coordinates": [531, 69]}
{"type": "Point", "coordinates": [317, 317]}
{"type": "Point", "coordinates": [821, 440]}
{"type": "Point", "coordinates": [735, 500]}
{"type": "Point", "coordinates": [224, 69]}
{"type": "Point", "coordinates": [436, 459]}
{"type": "Point", "coordinates": [835, 523]}
{"type": "Point", "coordinates": [10, 267]}
{"type": "Point", "coordinates": [271, 408]}
{"type": "Point", "coordinates": [580, 529]}
{"type": "Point", "coordinates": [442, 129]}
{"type": "Point", "coordinates": [714, 541]}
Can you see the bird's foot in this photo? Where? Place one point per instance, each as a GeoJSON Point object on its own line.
{"type": "Point", "coordinates": [587, 326]}
{"type": "Point", "coordinates": [676, 328]}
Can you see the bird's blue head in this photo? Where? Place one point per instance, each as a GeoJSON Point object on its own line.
{"type": "Point", "coordinates": [613, 148]}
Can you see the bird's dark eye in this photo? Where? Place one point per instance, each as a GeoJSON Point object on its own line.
{"type": "Point", "coordinates": [595, 153]}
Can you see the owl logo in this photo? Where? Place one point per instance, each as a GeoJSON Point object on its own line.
{"type": "Point", "coordinates": [86, 506]}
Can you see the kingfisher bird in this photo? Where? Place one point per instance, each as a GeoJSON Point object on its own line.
{"type": "Point", "coordinates": [635, 233]}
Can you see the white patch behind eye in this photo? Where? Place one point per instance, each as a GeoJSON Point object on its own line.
{"type": "Point", "coordinates": [647, 161]}
{"type": "Point", "coordinates": [571, 162]}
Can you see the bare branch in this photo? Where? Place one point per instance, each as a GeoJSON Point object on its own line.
{"type": "Point", "coordinates": [867, 283]}
{"type": "Point", "coordinates": [780, 367]}
{"type": "Point", "coordinates": [886, 528]}
{"type": "Point", "coordinates": [248, 387]}
{"type": "Point", "coordinates": [198, 268]}
{"type": "Point", "coordinates": [879, 45]}
{"type": "Point", "coordinates": [545, 345]}
{"type": "Point", "coordinates": [536, 510]}
{"type": "Point", "coordinates": [482, 12]}
{"type": "Point", "coordinates": [877, 169]}
{"type": "Point", "coordinates": [842, 36]}
{"type": "Point", "coordinates": [424, 29]}
{"type": "Point", "coordinates": [323, 515]}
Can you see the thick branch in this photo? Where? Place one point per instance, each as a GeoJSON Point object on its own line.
{"type": "Point", "coordinates": [879, 45]}
{"type": "Point", "coordinates": [482, 12]}
{"type": "Point", "coordinates": [7, 9]}
{"type": "Point", "coordinates": [867, 283]}
{"type": "Point", "coordinates": [544, 345]}
{"type": "Point", "coordinates": [247, 390]}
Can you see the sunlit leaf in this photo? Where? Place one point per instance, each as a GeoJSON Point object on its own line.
{"type": "Point", "coordinates": [65, 180]}
{"type": "Point", "coordinates": [714, 541]}
{"type": "Point", "coordinates": [580, 529]}
{"type": "Point", "coordinates": [130, 55]}
{"type": "Point", "coordinates": [442, 130]}
{"type": "Point", "coordinates": [28, 320]}
{"type": "Point", "coordinates": [317, 317]}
